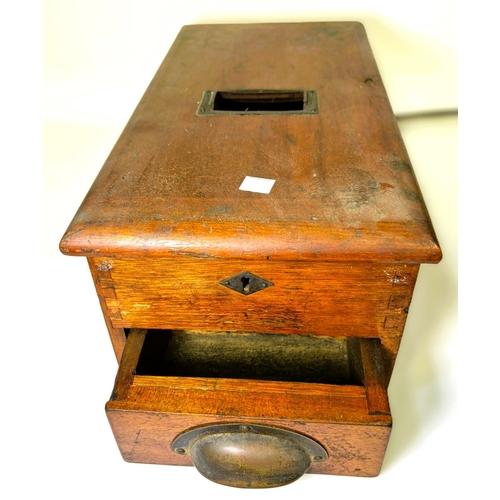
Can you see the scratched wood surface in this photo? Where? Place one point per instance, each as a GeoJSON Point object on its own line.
{"type": "Point", "coordinates": [147, 413]}
{"type": "Point", "coordinates": [345, 188]}
{"type": "Point", "coordinates": [320, 298]}
{"type": "Point", "coordinates": [145, 437]}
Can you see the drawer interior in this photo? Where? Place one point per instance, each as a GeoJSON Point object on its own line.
{"type": "Point", "coordinates": [252, 356]}
{"type": "Point", "coordinates": [220, 372]}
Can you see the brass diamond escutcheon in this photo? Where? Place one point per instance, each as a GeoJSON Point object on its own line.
{"type": "Point", "coordinates": [246, 283]}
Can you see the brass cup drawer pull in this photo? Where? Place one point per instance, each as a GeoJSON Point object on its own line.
{"type": "Point", "coordinates": [247, 455]}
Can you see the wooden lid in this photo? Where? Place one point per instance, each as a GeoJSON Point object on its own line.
{"type": "Point", "coordinates": [344, 188]}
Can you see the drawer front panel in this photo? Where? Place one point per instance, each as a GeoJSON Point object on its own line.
{"type": "Point", "coordinates": [145, 436]}
{"type": "Point", "coordinates": [368, 300]}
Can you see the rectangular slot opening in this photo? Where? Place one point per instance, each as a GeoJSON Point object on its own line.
{"type": "Point", "coordinates": [252, 356]}
{"type": "Point", "coordinates": [256, 102]}
{"type": "Point", "coordinates": [259, 101]}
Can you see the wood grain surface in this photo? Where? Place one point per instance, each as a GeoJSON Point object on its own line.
{"type": "Point", "coordinates": [345, 188]}
{"type": "Point", "coordinates": [147, 413]}
{"type": "Point", "coordinates": [359, 299]}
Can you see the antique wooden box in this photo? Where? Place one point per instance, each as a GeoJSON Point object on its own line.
{"type": "Point", "coordinates": [254, 239]}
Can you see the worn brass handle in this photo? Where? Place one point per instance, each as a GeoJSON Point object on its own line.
{"type": "Point", "coordinates": [249, 456]}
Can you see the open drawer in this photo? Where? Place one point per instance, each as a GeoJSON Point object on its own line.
{"type": "Point", "coordinates": [251, 409]}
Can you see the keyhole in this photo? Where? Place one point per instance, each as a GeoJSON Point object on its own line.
{"type": "Point", "coordinates": [245, 281]}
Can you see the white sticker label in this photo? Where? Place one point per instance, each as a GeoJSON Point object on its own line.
{"type": "Point", "coordinates": [257, 185]}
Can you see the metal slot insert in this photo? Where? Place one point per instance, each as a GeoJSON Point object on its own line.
{"type": "Point", "coordinates": [257, 102]}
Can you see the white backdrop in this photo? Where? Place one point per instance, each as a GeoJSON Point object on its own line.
{"type": "Point", "coordinates": [98, 58]}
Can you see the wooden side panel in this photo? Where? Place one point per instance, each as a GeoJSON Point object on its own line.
{"type": "Point", "coordinates": [360, 300]}
{"type": "Point", "coordinates": [128, 363]}
{"type": "Point", "coordinates": [105, 289]}
{"type": "Point", "coordinates": [374, 378]}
